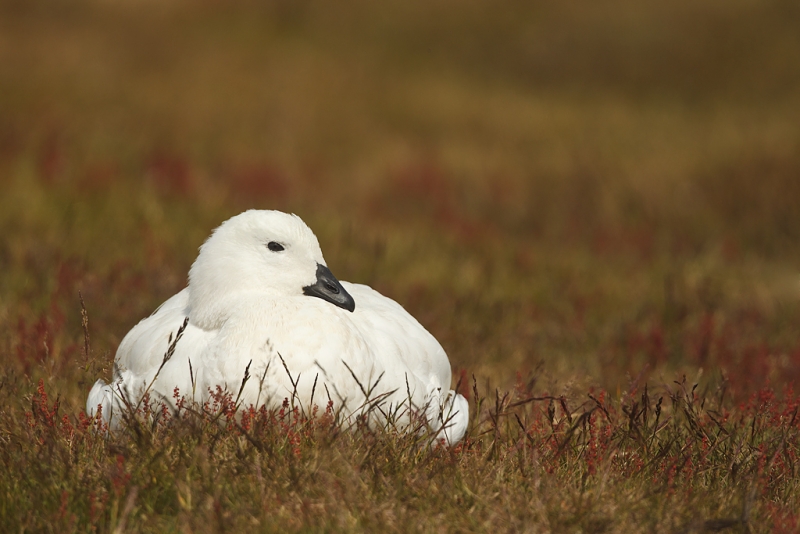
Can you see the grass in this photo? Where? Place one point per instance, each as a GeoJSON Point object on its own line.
{"type": "Point", "coordinates": [594, 209]}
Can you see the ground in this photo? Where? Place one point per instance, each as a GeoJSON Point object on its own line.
{"type": "Point", "coordinates": [595, 209]}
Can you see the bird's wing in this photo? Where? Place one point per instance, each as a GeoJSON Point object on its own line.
{"type": "Point", "coordinates": [406, 349]}
{"type": "Point", "coordinates": [142, 350]}
{"type": "Point", "coordinates": [401, 343]}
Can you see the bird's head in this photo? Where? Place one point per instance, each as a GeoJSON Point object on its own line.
{"type": "Point", "coordinates": [259, 252]}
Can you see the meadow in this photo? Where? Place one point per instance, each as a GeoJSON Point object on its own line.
{"type": "Point", "coordinates": [594, 207]}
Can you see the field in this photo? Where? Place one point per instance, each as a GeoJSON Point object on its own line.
{"type": "Point", "coordinates": [595, 207]}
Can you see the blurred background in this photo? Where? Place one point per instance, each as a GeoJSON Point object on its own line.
{"type": "Point", "coordinates": [575, 192]}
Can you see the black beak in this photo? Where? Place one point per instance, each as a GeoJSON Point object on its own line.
{"type": "Point", "coordinates": [330, 289]}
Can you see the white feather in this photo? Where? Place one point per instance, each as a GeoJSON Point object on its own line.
{"type": "Point", "coordinates": [246, 306]}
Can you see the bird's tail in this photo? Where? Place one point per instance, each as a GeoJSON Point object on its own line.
{"type": "Point", "coordinates": [101, 398]}
{"type": "Point", "coordinates": [453, 418]}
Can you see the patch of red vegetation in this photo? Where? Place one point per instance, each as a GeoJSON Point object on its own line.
{"type": "Point", "coordinates": [702, 339]}
{"type": "Point", "coordinates": [171, 175]}
{"type": "Point", "coordinates": [35, 340]}
{"type": "Point", "coordinates": [10, 144]}
{"type": "Point", "coordinates": [120, 476]}
{"type": "Point", "coordinates": [639, 240]}
{"type": "Point", "coordinates": [423, 189]}
{"type": "Point", "coordinates": [98, 177]}
{"type": "Point", "coordinates": [254, 183]}
{"type": "Point", "coordinates": [51, 160]}
{"type": "Point", "coordinates": [41, 412]}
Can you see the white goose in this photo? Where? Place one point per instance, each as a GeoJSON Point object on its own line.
{"type": "Point", "coordinates": [260, 294]}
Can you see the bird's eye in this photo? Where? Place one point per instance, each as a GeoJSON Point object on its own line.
{"type": "Point", "coordinates": [274, 246]}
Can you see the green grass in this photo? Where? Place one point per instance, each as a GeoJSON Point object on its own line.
{"type": "Point", "coordinates": [575, 200]}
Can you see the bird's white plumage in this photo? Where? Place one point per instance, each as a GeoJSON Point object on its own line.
{"type": "Point", "coordinates": [246, 305]}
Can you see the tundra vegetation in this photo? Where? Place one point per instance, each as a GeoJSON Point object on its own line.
{"type": "Point", "coordinates": [594, 208]}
